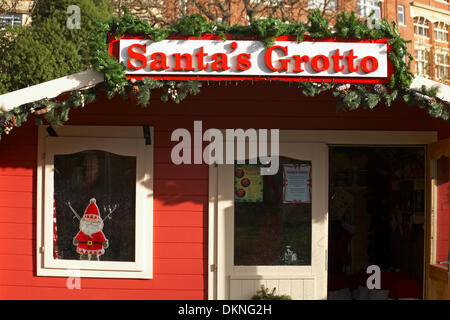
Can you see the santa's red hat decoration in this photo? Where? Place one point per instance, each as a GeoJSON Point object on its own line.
{"type": "Point", "coordinates": [90, 240]}
{"type": "Point", "coordinates": [92, 211]}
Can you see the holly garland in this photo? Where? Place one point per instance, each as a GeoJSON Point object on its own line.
{"type": "Point", "coordinates": [349, 96]}
{"type": "Point", "coordinates": [54, 112]}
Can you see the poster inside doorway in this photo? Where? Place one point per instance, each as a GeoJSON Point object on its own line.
{"type": "Point", "coordinates": [297, 183]}
{"type": "Point", "coordinates": [248, 183]}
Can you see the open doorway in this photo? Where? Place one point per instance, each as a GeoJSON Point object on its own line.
{"type": "Point", "coordinates": [376, 217]}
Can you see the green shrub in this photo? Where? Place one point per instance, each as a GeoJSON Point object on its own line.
{"type": "Point", "coordinates": [266, 294]}
{"type": "Point", "coordinates": [47, 49]}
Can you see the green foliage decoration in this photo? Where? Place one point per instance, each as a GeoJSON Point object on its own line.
{"type": "Point", "coordinates": [267, 294]}
{"type": "Point", "coordinates": [348, 96]}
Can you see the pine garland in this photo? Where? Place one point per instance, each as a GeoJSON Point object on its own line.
{"type": "Point", "coordinates": [348, 96]}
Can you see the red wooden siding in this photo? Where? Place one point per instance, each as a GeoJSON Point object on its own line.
{"type": "Point", "coordinates": [181, 192]}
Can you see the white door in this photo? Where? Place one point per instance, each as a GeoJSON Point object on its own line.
{"type": "Point", "coordinates": [272, 230]}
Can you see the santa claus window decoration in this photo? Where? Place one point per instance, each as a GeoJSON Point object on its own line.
{"type": "Point", "coordinates": [94, 194]}
{"type": "Point", "coordinates": [96, 208]}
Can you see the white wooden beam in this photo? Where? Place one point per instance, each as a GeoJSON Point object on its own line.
{"type": "Point", "coordinates": [50, 89]}
{"type": "Point", "coordinates": [444, 90]}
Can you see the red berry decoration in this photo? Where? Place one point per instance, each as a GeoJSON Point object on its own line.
{"type": "Point", "coordinates": [240, 193]}
{"type": "Point", "coordinates": [239, 173]}
{"type": "Point", "coordinates": [245, 182]}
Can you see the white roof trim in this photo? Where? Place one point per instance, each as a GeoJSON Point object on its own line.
{"type": "Point", "coordinates": [50, 89]}
{"type": "Point", "coordinates": [444, 90]}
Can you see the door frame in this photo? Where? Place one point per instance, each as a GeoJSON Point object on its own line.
{"type": "Point", "coordinates": [329, 137]}
{"type": "Point", "coordinates": [437, 275]}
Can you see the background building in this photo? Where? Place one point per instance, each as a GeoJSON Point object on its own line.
{"type": "Point", "coordinates": [426, 24]}
{"type": "Point", "coordinates": [15, 12]}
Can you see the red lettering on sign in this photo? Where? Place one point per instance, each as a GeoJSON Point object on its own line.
{"type": "Point", "coordinates": [159, 62]}
{"type": "Point", "coordinates": [315, 63]}
{"type": "Point", "coordinates": [200, 55]}
{"type": "Point", "coordinates": [243, 61]}
{"type": "Point", "coordinates": [351, 59]}
{"type": "Point", "coordinates": [336, 62]}
{"type": "Point", "coordinates": [298, 62]}
{"type": "Point", "coordinates": [187, 58]}
{"type": "Point", "coordinates": [220, 62]}
{"type": "Point", "coordinates": [268, 59]}
{"type": "Point", "coordinates": [136, 55]}
{"type": "Point", "coordinates": [373, 61]}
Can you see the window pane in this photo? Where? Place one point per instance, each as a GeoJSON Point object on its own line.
{"type": "Point", "coordinates": [272, 215]}
{"type": "Point", "coordinates": [421, 27]}
{"type": "Point", "coordinates": [401, 15]}
{"type": "Point", "coordinates": [322, 5]}
{"type": "Point", "coordinates": [10, 19]}
{"type": "Point", "coordinates": [377, 11]}
{"type": "Point", "coordinates": [440, 31]}
{"type": "Point", "coordinates": [106, 230]}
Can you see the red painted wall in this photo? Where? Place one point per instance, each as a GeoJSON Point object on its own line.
{"type": "Point", "coordinates": [181, 192]}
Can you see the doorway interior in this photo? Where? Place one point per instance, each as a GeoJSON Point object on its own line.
{"type": "Point", "coordinates": [376, 217]}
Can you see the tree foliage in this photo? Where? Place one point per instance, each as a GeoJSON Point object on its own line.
{"type": "Point", "coordinates": [48, 49]}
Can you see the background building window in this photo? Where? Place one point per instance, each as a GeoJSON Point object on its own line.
{"type": "Point", "coordinates": [365, 7]}
{"type": "Point", "coordinates": [442, 65]}
{"type": "Point", "coordinates": [421, 57]}
{"type": "Point", "coordinates": [421, 27]}
{"type": "Point", "coordinates": [183, 8]}
{"type": "Point", "coordinates": [440, 32]}
{"type": "Point", "coordinates": [10, 19]}
{"type": "Point", "coordinates": [401, 14]}
{"type": "Point", "coordinates": [322, 4]}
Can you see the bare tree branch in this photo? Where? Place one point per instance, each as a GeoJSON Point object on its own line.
{"type": "Point", "coordinates": [163, 12]}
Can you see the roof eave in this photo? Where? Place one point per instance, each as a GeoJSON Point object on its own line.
{"type": "Point", "coordinates": [50, 89]}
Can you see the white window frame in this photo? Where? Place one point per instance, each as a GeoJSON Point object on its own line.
{"type": "Point", "coordinates": [440, 32]}
{"type": "Point", "coordinates": [401, 13]}
{"type": "Point", "coordinates": [365, 7]}
{"type": "Point", "coordinates": [421, 59]}
{"type": "Point", "coordinates": [127, 141]}
{"type": "Point", "coordinates": [445, 65]}
{"type": "Point", "coordinates": [421, 23]}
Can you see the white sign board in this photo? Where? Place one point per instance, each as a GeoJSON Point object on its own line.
{"type": "Point", "coordinates": [247, 58]}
